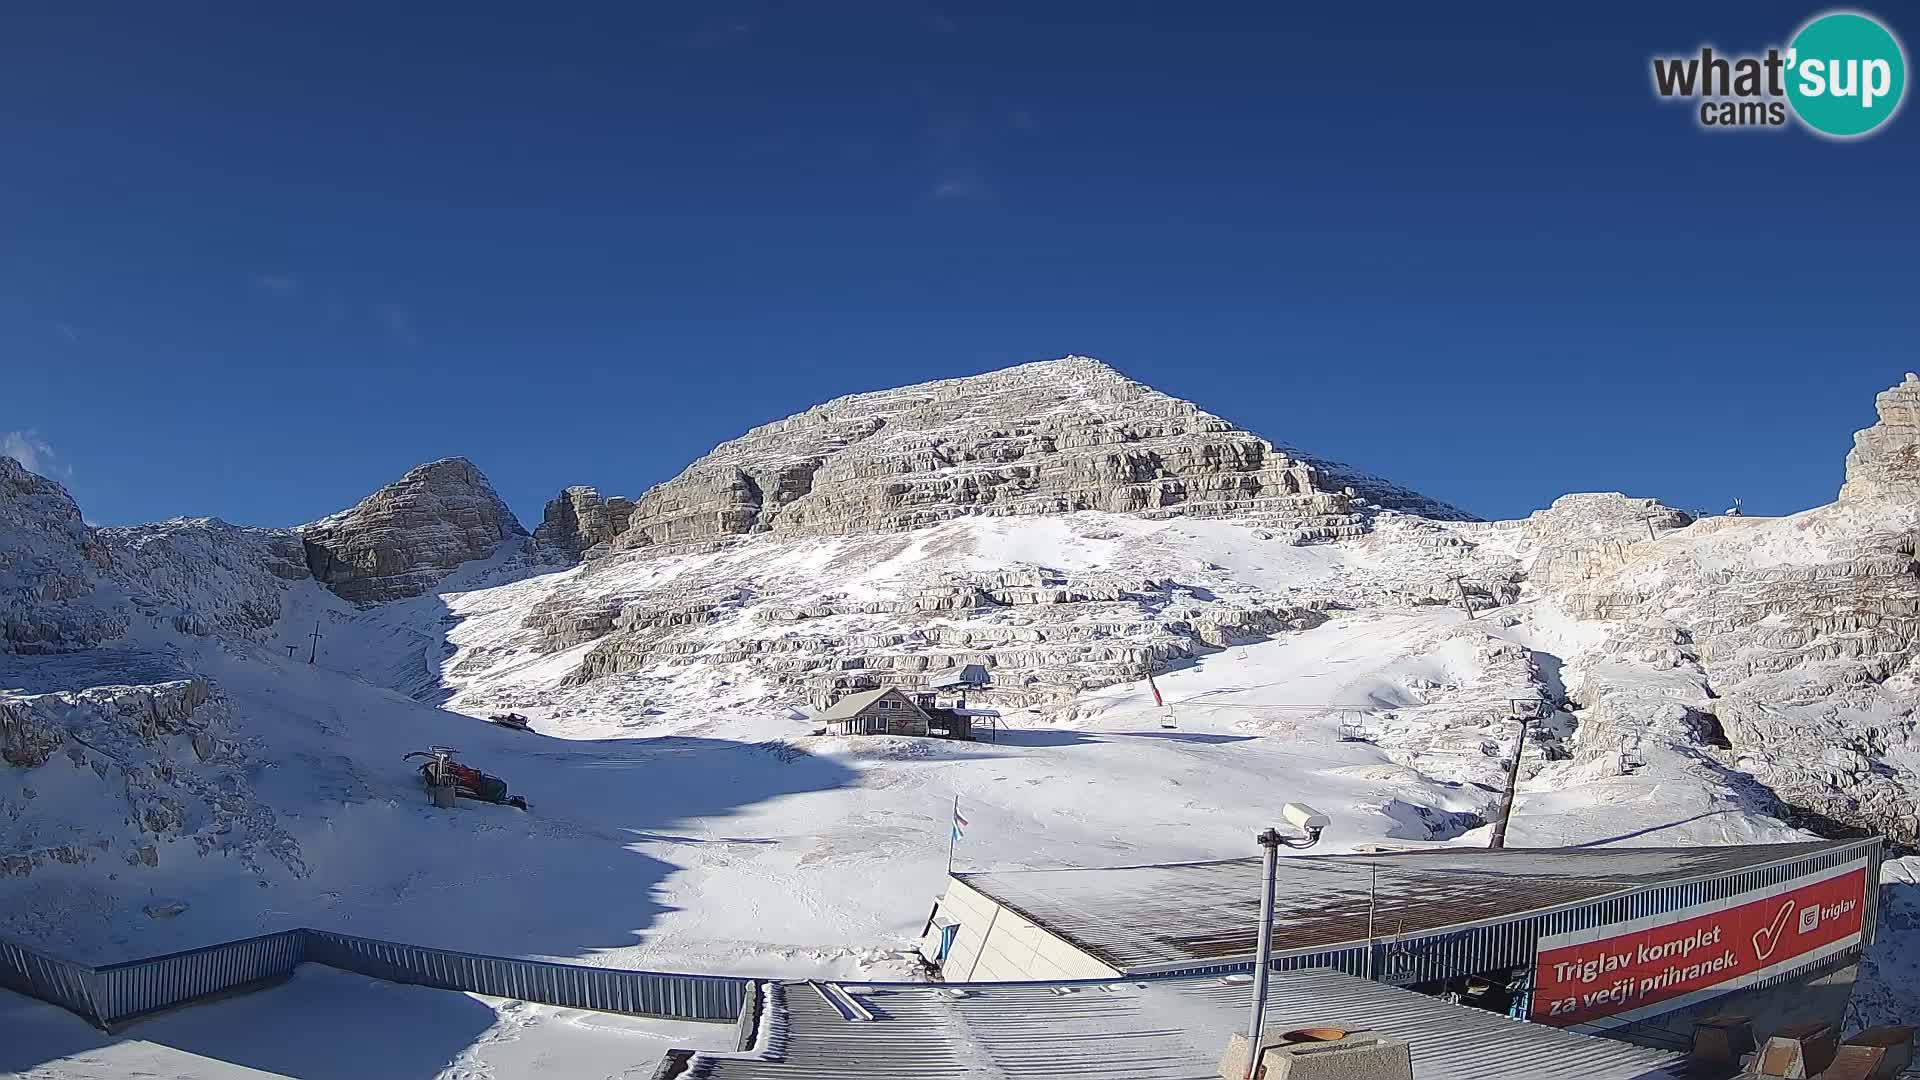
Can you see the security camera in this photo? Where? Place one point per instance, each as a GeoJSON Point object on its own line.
{"type": "Point", "coordinates": [1304, 817]}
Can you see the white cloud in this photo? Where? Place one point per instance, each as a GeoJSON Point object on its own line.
{"type": "Point", "coordinates": [67, 333]}
{"type": "Point", "coordinates": [277, 284]}
{"type": "Point", "coordinates": [31, 451]}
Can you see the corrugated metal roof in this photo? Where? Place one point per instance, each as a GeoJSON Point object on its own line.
{"type": "Point", "coordinates": [970, 675]}
{"type": "Point", "coordinates": [1140, 917]}
{"type": "Point", "coordinates": [1160, 1030]}
{"type": "Point", "coordinates": [848, 707]}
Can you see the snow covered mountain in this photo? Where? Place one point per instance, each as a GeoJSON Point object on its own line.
{"type": "Point", "coordinates": [176, 771]}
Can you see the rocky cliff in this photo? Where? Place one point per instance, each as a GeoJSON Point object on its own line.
{"type": "Point", "coordinates": [578, 520]}
{"type": "Point", "coordinates": [205, 577]}
{"type": "Point", "coordinates": [1044, 438]}
{"type": "Point", "coordinates": [1884, 461]}
{"type": "Point", "coordinates": [1791, 641]}
{"type": "Point", "coordinates": [51, 569]}
{"type": "Point", "coordinates": [403, 539]}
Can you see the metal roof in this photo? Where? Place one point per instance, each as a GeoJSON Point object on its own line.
{"type": "Point", "coordinates": [848, 707]}
{"type": "Point", "coordinates": [970, 675]}
{"type": "Point", "coordinates": [1139, 918]}
{"type": "Point", "coordinates": [1171, 1029]}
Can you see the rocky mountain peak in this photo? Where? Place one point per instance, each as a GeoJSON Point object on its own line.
{"type": "Point", "coordinates": [1042, 438]}
{"type": "Point", "coordinates": [403, 539]}
{"type": "Point", "coordinates": [1885, 459]}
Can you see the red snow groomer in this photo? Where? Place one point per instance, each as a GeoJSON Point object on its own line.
{"type": "Point", "coordinates": [440, 771]}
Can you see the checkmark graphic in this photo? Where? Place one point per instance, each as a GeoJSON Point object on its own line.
{"type": "Point", "coordinates": [1767, 938]}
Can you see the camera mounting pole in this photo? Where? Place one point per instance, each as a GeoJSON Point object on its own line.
{"type": "Point", "coordinates": [1312, 823]}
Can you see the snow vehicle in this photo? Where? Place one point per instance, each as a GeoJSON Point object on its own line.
{"type": "Point", "coordinates": [512, 720]}
{"type": "Point", "coordinates": [468, 782]}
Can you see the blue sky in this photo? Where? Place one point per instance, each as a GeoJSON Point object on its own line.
{"type": "Point", "coordinates": [257, 260]}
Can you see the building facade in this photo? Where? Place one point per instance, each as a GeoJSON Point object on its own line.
{"type": "Point", "coordinates": [875, 712]}
{"type": "Point", "coordinates": [1627, 940]}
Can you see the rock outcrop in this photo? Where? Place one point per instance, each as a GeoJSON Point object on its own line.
{"type": "Point", "coordinates": [403, 539]}
{"type": "Point", "coordinates": [1885, 459]}
{"type": "Point", "coordinates": [205, 577]}
{"type": "Point", "coordinates": [1585, 535]}
{"type": "Point", "coordinates": [51, 566]}
{"type": "Point", "coordinates": [578, 521]}
{"type": "Point", "coordinates": [1044, 438]}
{"type": "Point", "coordinates": [164, 750]}
{"type": "Point", "coordinates": [1792, 638]}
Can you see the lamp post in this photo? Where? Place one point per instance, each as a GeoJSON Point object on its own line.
{"type": "Point", "coordinates": [1311, 822]}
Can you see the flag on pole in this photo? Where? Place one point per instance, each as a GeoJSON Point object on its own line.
{"type": "Point", "coordinates": [959, 823]}
{"type": "Point", "coordinates": [1157, 703]}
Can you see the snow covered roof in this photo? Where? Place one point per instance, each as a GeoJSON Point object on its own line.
{"type": "Point", "coordinates": [970, 675]}
{"type": "Point", "coordinates": [1170, 916]}
{"type": "Point", "coordinates": [849, 707]}
{"type": "Point", "coordinates": [1173, 1029]}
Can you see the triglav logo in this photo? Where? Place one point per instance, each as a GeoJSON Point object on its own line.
{"type": "Point", "coordinates": [1843, 75]}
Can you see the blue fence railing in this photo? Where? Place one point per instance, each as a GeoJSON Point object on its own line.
{"type": "Point", "coordinates": [47, 977]}
{"type": "Point", "coordinates": [115, 993]}
{"type": "Point", "coordinates": [576, 986]}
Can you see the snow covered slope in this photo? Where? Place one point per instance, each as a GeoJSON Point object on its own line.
{"type": "Point", "coordinates": [1314, 644]}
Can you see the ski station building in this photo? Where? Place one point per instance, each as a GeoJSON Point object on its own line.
{"type": "Point", "coordinates": [1635, 941]}
{"type": "Point", "coordinates": [1162, 1029]}
{"type": "Point", "coordinates": [884, 711]}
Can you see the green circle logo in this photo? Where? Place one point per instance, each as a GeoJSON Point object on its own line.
{"type": "Point", "coordinates": [1845, 74]}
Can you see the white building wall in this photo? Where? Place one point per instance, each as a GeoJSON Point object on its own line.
{"type": "Point", "coordinates": [995, 944]}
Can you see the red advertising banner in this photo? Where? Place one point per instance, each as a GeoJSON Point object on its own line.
{"type": "Point", "coordinates": [1610, 971]}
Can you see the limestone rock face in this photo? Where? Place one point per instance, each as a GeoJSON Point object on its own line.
{"type": "Point", "coordinates": [1885, 459]}
{"type": "Point", "coordinates": [1795, 637]}
{"type": "Point", "coordinates": [403, 539]}
{"type": "Point", "coordinates": [205, 577]}
{"type": "Point", "coordinates": [1584, 535]}
{"type": "Point", "coordinates": [578, 520]}
{"type": "Point", "coordinates": [1041, 633]}
{"type": "Point", "coordinates": [166, 750]}
{"type": "Point", "coordinates": [1044, 438]}
{"type": "Point", "coordinates": [51, 564]}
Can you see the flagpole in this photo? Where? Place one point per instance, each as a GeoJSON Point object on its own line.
{"type": "Point", "coordinates": [953, 830]}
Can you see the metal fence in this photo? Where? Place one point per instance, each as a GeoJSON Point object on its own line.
{"type": "Point", "coordinates": [137, 987]}
{"type": "Point", "coordinates": [115, 993]}
{"type": "Point", "coordinates": [649, 993]}
{"type": "Point", "coordinates": [49, 978]}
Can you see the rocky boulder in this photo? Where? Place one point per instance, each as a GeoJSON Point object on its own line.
{"type": "Point", "coordinates": [402, 540]}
